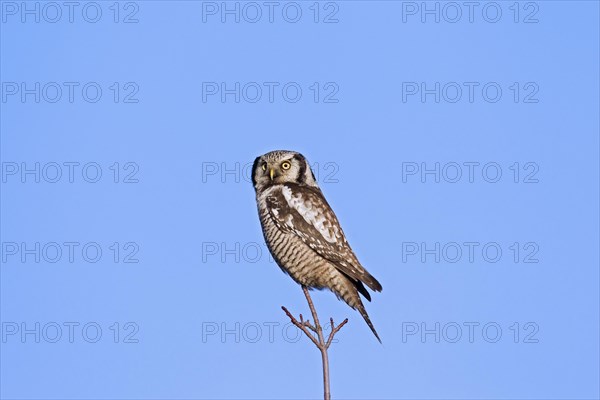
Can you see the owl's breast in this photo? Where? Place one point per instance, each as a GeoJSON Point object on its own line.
{"type": "Point", "coordinates": [291, 254]}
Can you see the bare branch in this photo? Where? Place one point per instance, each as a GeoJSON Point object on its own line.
{"type": "Point", "coordinates": [307, 324]}
{"type": "Point", "coordinates": [335, 330]}
{"type": "Point", "coordinates": [301, 326]}
{"type": "Point", "coordinates": [320, 342]}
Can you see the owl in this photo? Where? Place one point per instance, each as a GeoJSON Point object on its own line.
{"type": "Point", "coordinates": [302, 232]}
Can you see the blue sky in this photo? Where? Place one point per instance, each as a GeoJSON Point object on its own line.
{"type": "Point", "coordinates": [457, 144]}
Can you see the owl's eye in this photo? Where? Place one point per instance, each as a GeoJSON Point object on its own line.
{"type": "Point", "coordinates": [286, 165]}
{"type": "Point", "coordinates": [264, 167]}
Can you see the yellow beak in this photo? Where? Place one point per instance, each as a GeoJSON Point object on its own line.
{"type": "Point", "coordinates": [271, 173]}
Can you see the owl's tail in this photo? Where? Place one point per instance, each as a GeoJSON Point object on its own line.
{"type": "Point", "coordinates": [348, 291]}
{"type": "Point", "coordinates": [363, 312]}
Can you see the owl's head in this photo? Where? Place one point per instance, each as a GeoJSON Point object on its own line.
{"type": "Point", "coordinates": [281, 166]}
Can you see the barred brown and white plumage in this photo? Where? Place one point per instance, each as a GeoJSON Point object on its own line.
{"type": "Point", "coordinates": [303, 233]}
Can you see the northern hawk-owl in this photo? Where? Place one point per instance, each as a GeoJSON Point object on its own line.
{"type": "Point", "coordinates": [302, 232]}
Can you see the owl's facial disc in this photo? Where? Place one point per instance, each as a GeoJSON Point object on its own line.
{"type": "Point", "coordinates": [279, 167]}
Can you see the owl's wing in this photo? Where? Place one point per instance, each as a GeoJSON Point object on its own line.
{"type": "Point", "coordinates": [304, 212]}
